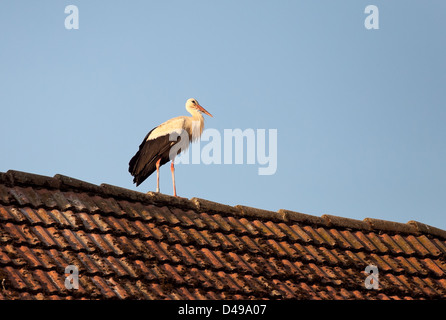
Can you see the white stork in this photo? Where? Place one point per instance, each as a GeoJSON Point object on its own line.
{"type": "Point", "coordinates": [155, 149]}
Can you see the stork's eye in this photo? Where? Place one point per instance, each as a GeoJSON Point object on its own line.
{"type": "Point", "coordinates": [193, 101]}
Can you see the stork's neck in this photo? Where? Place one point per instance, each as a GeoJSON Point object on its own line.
{"type": "Point", "coordinates": [196, 115]}
{"type": "Point", "coordinates": [197, 124]}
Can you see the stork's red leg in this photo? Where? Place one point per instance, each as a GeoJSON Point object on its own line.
{"type": "Point", "coordinates": [172, 168]}
{"type": "Point", "coordinates": [158, 175]}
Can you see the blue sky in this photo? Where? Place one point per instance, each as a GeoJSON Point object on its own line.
{"type": "Point", "coordinates": [360, 114]}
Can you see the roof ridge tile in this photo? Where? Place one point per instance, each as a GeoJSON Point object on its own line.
{"type": "Point", "coordinates": [66, 182]}
{"type": "Point", "coordinates": [392, 226]}
{"type": "Point", "coordinates": [15, 177]}
{"type": "Point", "coordinates": [3, 178]}
{"type": "Point", "coordinates": [295, 216]}
{"type": "Point", "coordinates": [123, 193]}
{"type": "Point", "coordinates": [336, 221]}
{"type": "Point", "coordinates": [59, 181]}
{"type": "Point", "coordinates": [246, 211]}
{"type": "Point", "coordinates": [427, 229]}
{"type": "Point", "coordinates": [164, 200]}
{"type": "Point", "coordinates": [208, 206]}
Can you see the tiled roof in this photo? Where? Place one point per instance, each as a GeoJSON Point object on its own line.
{"type": "Point", "coordinates": [131, 245]}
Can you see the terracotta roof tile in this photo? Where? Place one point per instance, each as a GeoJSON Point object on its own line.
{"type": "Point", "coordinates": [420, 246]}
{"type": "Point", "coordinates": [11, 214]}
{"type": "Point", "coordinates": [102, 284]}
{"type": "Point", "coordinates": [301, 233]}
{"type": "Point", "coordinates": [129, 245]}
{"type": "Point", "coordinates": [436, 266]}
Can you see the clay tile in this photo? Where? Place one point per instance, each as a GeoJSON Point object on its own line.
{"type": "Point", "coordinates": [109, 205]}
{"type": "Point", "coordinates": [45, 217]}
{"type": "Point", "coordinates": [19, 196]}
{"type": "Point", "coordinates": [210, 238]}
{"type": "Point", "coordinates": [3, 178]}
{"type": "Point", "coordinates": [263, 229]}
{"type": "Point", "coordinates": [164, 214]}
{"type": "Point", "coordinates": [248, 227]}
{"type": "Point", "coordinates": [403, 244]}
{"type": "Point", "coordinates": [275, 229]}
{"type": "Point", "coordinates": [131, 209]}
{"type": "Point", "coordinates": [213, 207]}
{"type": "Point", "coordinates": [123, 193]}
{"type": "Point", "coordinates": [294, 216]}
{"type": "Point", "coordinates": [171, 201]}
{"type": "Point", "coordinates": [375, 239]}
{"type": "Point", "coordinates": [22, 254]}
{"type": "Point", "coordinates": [5, 195]}
{"type": "Point", "coordinates": [101, 284]}
{"type": "Point", "coordinates": [213, 260]}
{"type": "Point", "coordinates": [366, 241]}
{"type": "Point", "coordinates": [326, 236]}
{"type": "Point", "coordinates": [335, 221]}
{"type": "Point", "coordinates": [50, 236]}
{"type": "Point", "coordinates": [59, 218]}
{"type": "Point", "coordinates": [289, 233]}
{"type": "Point", "coordinates": [4, 215]}
{"type": "Point", "coordinates": [23, 178]}
{"type": "Point", "coordinates": [221, 222]}
{"type": "Point", "coordinates": [301, 233]}
{"type": "Point", "coordinates": [208, 222]}
{"type": "Point", "coordinates": [44, 258]}
{"type": "Point", "coordinates": [45, 281]}
{"type": "Point", "coordinates": [31, 215]}
{"type": "Point", "coordinates": [260, 213]}
{"type": "Point", "coordinates": [391, 244]}
{"type": "Point", "coordinates": [46, 197]}
{"type": "Point", "coordinates": [75, 201]}
{"type": "Point", "coordinates": [197, 237]}
{"type": "Point", "coordinates": [384, 225]}
{"type": "Point", "coordinates": [29, 234]}
{"type": "Point", "coordinates": [88, 222]}
{"type": "Point", "coordinates": [28, 196]}
{"type": "Point", "coordinates": [424, 228]}
{"type": "Point", "coordinates": [4, 256]}
{"type": "Point", "coordinates": [436, 266]}
{"type": "Point", "coordinates": [29, 277]}
{"type": "Point", "coordinates": [57, 280]}
{"type": "Point", "coordinates": [62, 202]}
{"type": "Point", "coordinates": [15, 214]}
{"type": "Point", "coordinates": [419, 246]}
{"type": "Point", "coordinates": [429, 245]}
{"type": "Point", "coordinates": [315, 236]}
{"type": "Point", "coordinates": [14, 278]}
{"type": "Point", "coordinates": [129, 227]}
{"type": "Point", "coordinates": [68, 183]}
{"type": "Point", "coordinates": [405, 263]}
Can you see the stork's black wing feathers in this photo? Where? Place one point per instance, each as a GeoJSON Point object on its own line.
{"type": "Point", "coordinates": [143, 163]}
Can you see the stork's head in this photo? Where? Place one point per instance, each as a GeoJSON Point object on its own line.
{"type": "Point", "coordinates": [193, 105]}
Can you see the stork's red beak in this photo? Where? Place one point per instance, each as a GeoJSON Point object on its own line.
{"type": "Point", "coordinates": [203, 110]}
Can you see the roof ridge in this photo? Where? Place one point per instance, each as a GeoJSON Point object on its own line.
{"type": "Point", "coordinates": [14, 177]}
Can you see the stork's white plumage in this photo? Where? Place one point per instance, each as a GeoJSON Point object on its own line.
{"type": "Point", "coordinates": [155, 149]}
